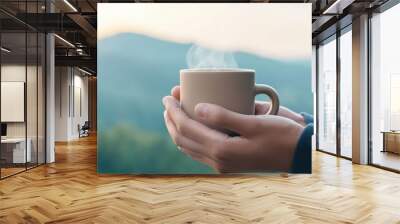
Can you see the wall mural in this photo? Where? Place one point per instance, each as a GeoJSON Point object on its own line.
{"type": "Point", "coordinates": [143, 47]}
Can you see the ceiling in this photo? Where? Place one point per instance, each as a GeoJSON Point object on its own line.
{"type": "Point", "coordinates": [76, 21]}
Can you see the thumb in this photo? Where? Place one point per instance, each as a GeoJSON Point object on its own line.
{"type": "Point", "coordinates": [218, 116]}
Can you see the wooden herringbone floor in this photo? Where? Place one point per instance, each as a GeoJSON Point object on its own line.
{"type": "Point", "coordinates": [70, 191]}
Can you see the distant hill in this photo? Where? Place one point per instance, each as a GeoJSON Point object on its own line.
{"type": "Point", "coordinates": [136, 71]}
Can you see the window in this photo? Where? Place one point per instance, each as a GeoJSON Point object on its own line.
{"type": "Point", "coordinates": [327, 96]}
{"type": "Point", "coordinates": [385, 89]}
{"type": "Point", "coordinates": [22, 77]}
{"type": "Point", "coordinates": [346, 93]}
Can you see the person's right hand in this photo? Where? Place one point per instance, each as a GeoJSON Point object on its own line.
{"type": "Point", "coordinates": [264, 142]}
{"type": "Point", "coordinates": [261, 108]}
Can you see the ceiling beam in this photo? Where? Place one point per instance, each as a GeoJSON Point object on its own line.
{"type": "Point", "coordinates": [320, 22]}
{"type": "Point", "coordinates": [337, 6]}
{"type": "Point", "coordinates": [81, 61]}
{"type": "Point", "coordinates": [83, 23]}
{"type": "Point", "coordinates": [49, 22]}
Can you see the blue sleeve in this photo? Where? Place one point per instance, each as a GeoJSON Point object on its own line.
{"type": "Point", "coordinates": [302, 156]}
{"type": "Point", "coordinates": [308, 118]}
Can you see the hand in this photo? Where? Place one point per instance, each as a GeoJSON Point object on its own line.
{"type": "Point", "coordinates": [261, 108]}
{"type": "Point", "coordinates": [266, 143]}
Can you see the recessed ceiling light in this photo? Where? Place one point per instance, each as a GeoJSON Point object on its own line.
{"type": "Point", "coordinates": [337, 7]}
{"type": "Point", "coordinates": [70, 5]}
{"type": "Point", "coordinates": [5, 50]}
{"type": "Point", "coordinates": [84, 71]}
{"type": "Point", "coordinates": [65, 41]}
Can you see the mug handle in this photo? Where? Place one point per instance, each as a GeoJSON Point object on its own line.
{"type": "Point", "coordinates": [271, 92]}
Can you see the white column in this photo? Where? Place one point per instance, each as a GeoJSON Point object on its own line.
{"type": "Point", "coordinates": [50, 92]}
{"type": "Point", "coordinates": [360, 90]}
{"type": "Point", "coordinates": [50, 99]}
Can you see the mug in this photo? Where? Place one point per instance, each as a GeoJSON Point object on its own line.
{"type": "Point", "coordinates": [233, 89]}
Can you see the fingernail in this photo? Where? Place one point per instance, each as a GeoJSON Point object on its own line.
{"type": "Point", "coordinates": [163, 101]}
{"type": "Point", "coordinates": [202, 110]}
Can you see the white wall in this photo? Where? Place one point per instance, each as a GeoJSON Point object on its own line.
{"type": "Point", "coordinates": [70, 84]}
{"type": "Point", "coordinates": [81, 84]}
{"type": "Point", "coordinates": [12, 73]}
{"type": "Point", "coordinates": [62, 82]}
{"type": "Point", "coordinates": [33, 127]}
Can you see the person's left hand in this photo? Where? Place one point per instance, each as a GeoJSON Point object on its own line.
{"type": "Point", "coordinates": [261, 108]}
{"type": "Point", "coordinates": [266, 143]}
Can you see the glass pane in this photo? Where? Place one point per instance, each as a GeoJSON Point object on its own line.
{"type": "Point", "coordinates": [31, 98]}
{"type": "Point", "coordinates": [346, 94]}
{"type": "Point", "coordinates": [385, 84]}
{"type": "Point", "coordinates": [13, 86]}
{"type": "Point", "coordinates": [41, 98]}
{"type": "Point", "coordinates": [327, 97]}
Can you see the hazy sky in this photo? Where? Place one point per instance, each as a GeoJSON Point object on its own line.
{"type": "Point", "coordinates": [270, 30]}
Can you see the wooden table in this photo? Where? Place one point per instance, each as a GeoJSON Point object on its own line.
{"type": "Point", "coordinates": [391, 141]}
{"type": "Point", "coordinates": [13, 150]}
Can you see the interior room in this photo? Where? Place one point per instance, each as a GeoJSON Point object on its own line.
{"type": "Point", "coordinates": [49, 127]}
{"type": "Point", "coordinates": [22, 103]}
{"type": "Point", "coordinates": [385, 90]}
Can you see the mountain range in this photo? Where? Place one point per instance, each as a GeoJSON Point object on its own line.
{"type": "Point", "coordinates": [136, 71]}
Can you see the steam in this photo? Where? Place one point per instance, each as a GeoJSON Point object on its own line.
{"type": "Point", "coordinates": [200, 57]}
